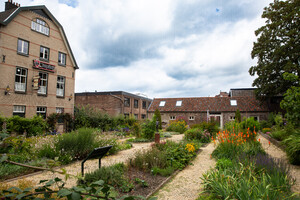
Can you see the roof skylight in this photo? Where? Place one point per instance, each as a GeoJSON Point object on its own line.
{"type": "Point", "coordinates": [233, 102]}
{"type": "Point", "coordinates": [178, 103]}
{"type": "Point", "coordinates": [162, 103]}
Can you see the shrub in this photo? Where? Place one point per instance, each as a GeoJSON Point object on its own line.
{"type": "Point", "coordinates": [232, 127]}
{"type": "Point", "coordinates": [197, 134]}
{"type": "Point", "coordinates": [77, 144]}
{"type": "Point", "coordinates": [136, 129]}
{"type": "Point", "coordinates": [179, 126]}
{"type": "Point", "coordinates": [265, 130]}
{"type": "Point", "coordinates": [163, 172]}
{"type": "Point", "coordinates": [211, 127]}
{"type": "Point", "coordinates": [238, 117]}
{"type": "Point", "coordinates": [148, 129]}
{"type": "Point", "coordinates": [224, 163]}
{"type": "Point", "coordinates": [265, 124]}
{"type": "Point", "coordinates": [292, 149]}
{"type": "Point", "coordinates": [47, 152]}
{"type": "Point", "coordinates": [250, 123]}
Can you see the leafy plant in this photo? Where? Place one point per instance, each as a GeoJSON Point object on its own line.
{"type": "Point", "coordinates": [292, 149]}
{"type": "Point", "coordinates": [179, 126]}
{"type": "Point", "coordinates": [197, 134]}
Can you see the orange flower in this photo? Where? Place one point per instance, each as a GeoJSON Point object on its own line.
{"type": "Point", "coordinates": [259, 139]}
{"type": "Point", "coordinates": [269, 143]}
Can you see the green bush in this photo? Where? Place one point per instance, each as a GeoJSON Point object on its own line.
{"type": "Point", "coordinates": [197, 134]}
{"type": "Point", "coordinates": [112, 175]}
{"type": "Point", "coordinates": [233, 127]}
{"type": "Point", "coordinates": [148, 129]}
{"type": "Point", "coordinates": [47, 152]}
{"type": "Point", "coordinates": [179, 126]}
{"type": "Point", "coordinates": [77, 144]}
{"type": "Point", "coordinates": [211, 127]}
{"type": "Point", "coordinates": [292, 149]}
{"type": "Point", "coordinates": [250, 123]}
{"type": "Point", "coordinates": [137, 129]}
{"type": "Point", "coordinates": [224, 163]}
{"type": "Point", "coordinates": [163, 172]}
{"type": "Point", "coordinates": [265, 124]}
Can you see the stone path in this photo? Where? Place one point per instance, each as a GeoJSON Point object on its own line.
{"type": "Point", "coordinates": [276, 152]}
{"type": "Point", "coordinates": [91, 165]}
{"type": "Point", "coordinates": [186, 185]}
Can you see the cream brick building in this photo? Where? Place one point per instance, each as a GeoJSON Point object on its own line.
{"type": "Point", "coordinates": [37, 66]}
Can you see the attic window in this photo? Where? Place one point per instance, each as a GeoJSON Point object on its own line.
{"type": "Point", "coordinates": [40, 26]}
{"type": "Point", "coordinates": [233, 103]}
{"type": "Point", "coordinates": [178, 103]}
{"type": "Point", "coordinates": [162, 103]}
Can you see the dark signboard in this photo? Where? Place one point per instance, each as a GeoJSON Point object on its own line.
{"type": "Point", "coordinates": [43, 65]}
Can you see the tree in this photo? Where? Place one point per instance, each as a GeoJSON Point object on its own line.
{"type": "Point", "coordinates": [277, 48]}
{"type": "Point", "coordinates": [158, 118]}
{"type": "Point", "coordinates": [238, 117]}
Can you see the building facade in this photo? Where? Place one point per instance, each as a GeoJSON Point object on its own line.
{"type": "Point", "coordinates": [220, 108]}
{"type": "Point", "coordinates": [37, 66]}
{"type": "Point", "coordinates": [115, 103]}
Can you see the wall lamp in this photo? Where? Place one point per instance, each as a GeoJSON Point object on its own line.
{"type": "Point", "coordinates": [7, 89]}
{"type": "Point", "coordinates": [3, 58]}
{"type": "Point", "coordinates": [71, 97]}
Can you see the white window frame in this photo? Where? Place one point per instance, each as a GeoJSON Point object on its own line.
{"type": "Point", "coordinates": [231, 118]}
{"type": "Point", "coordinates": [172, 117]}
{"type": "Point", "coordinates": [23, 47]}
{"type": "Point", "coordinates": [62, 58]}
{"type": "Point", "coordinates": [233, 102]}
{"type": "Point", "coordinates": [192, 118]}
{"type": "Point", "coordinates": [41, 110]}
{"type": "Point", "coordinates": [60, 110]}
{"type": "Point", "coordinates": [162, 103]}
{"type": "Point", "coordinates": [60, 86]}
{"type": "Point", "coordinates": [40, 26]}
{"type": "Point", "coordinates": [178, 103]}
{"type": "Point", "coordinates": [21, 86]}
{"type": "Point", "coordinates": [19, 110]}
{"type": "Point", "coordinates": [44, 53]}
{"type": "Point", "coordinates": [43, 83]}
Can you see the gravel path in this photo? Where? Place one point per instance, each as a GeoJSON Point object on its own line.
{"type": "Point", "coordinates": [91, 165]}
{"type": "Point", "coordinates": [187, 183]}
{"type": "Point", "coordinates": [276, 152]}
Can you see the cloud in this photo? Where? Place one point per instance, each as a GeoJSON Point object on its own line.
{"type": "Point", "coordinates": [162, 48]}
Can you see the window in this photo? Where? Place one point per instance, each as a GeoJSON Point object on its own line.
{"type": "Point", "coordinates": [232, 118]}
{"type": "Point", "coordinates": [144, 104]}
{"type": "Point", "coordinates": [233, 102]}
{"type": "Point", "coordinates": [172, 117]}
{"type": "Point", "coordinates": [61, 58]}
{"type": "Point", "coordinates": [136, 103]}
{"type": "Point", "coordinates": [43, 83]}
{"type": "Point", "coordinates": [143, 116]}
{"type": "Point", "coordinates": [44, 53]}
{"type": "Point", "coordinates": [60, 86]}
{"type": "Point", "coordinates": [41, 111]}
{"type": "Point", "coordinates": [126, 115]}
{"type": "Point", "coordinates": [178, 103]}
{"type": "Point", "coordinates": [136, 116]}
{"type": "Point", "coordinates": [40, 26]}
{"type": "Point", "coordinates": [126, 101]}
{"type": "Point", "coordinates": [162, 103]}
{"type": "Point", "coordinates": [20, 79]}
{"type": "Point", "coordinates": [19, 110]}
{"type": "Point", "coordinates": [60, 118]}
{"type": "Point", "coordinates": [23, 47]}
{"type": "Point", "coordinates": [192, 117]}
{"type": "Point", "coordinates": [59, 110]}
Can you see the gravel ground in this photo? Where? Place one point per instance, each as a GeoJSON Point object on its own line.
{"type": "Point", "coordinates": [186, 185]}
{"type": "Point", "coordinates": [90, 165]}
{"type": "Point", "coordinates": [276, 152]}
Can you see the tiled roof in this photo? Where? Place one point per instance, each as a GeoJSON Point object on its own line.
{"type": "Point", "coordinates": [213, 104]}
{"type": "Point", "coordinates": [4, 15]}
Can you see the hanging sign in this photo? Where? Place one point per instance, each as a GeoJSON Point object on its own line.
{"type": "Point", "coordinates": [35, 81]}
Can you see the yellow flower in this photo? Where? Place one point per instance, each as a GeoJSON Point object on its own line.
{"type": "Point", "coordinates": [190, 147]}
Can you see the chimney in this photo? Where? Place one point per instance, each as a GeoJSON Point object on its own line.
{"type": "Point", "coordinates": [10, 5]}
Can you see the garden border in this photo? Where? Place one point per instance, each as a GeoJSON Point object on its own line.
{"type": "Point", "coordinates": [275, 142]}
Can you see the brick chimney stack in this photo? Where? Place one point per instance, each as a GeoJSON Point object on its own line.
{"type": "Point", "coordinates": [10, 5]}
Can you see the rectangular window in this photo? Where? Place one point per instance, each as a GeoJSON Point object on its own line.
{"type": "Point", "coordinates": [233, 102]}
{"type": "Point", "coordinates": [43, 83]}
{"type": "Point", "coordinates": [60, 86]}
{"type": "Point", "coordinates": [143, 116]}
{"type": "Point", "coordinates": [172, 117]}
{"type": "Point", "coordinates": [19, 110]}
{"type": "Point", "coordinates": [60, 117]}
{"type": "Point", "coordinates": [126, 101]}
{"type": "Point", "coordinates": [162, 103]}
{"type": "Point", "coordinates": [126, 115]}
{"type": "Point", "coordinates": [44, 53]}
{"type": "Point", "coordinates": [231, 118]}
{"type": "Point", "coordinates": [136, 103]}
{"type": "Point", "coordinates": [41, 111]}
{"type": "Point", "coordinates": [144, 104]}
{"type": "Point", "coordinates": [23, 47]}
{"type": "Point", "coordinates": [20, 79]}
{"type": "Point", "coordinates": [59, 110]}
{"type": "Point", "coordinates": [61, 58]}
{"type": "Point", "coordinates": [192, 117]}
{"type": "Point", "coordinates": [136, 116]}
{"type": "Point", "coordinates": [178, 103]}
{"type": "Point", "coordinates": [40, 26]}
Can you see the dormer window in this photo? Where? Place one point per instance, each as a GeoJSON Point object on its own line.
{"type": "Point", "coordinates": [162, 103]}
{"type": "Point", "coordinates": [233, 102]}
{"type": "Point", "coordinates": [178, 103]}
{"type": "Point", "coordinates": [40, 26]}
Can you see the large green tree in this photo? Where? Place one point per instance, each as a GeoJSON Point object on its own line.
{"type": "Point", "coordinates": [277, 48]}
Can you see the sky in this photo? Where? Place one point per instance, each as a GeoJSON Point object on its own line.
{"type": "Point", "coordinates": [160, 48]}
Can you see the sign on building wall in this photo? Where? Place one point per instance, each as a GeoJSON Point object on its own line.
{"type": "Point", "coordinates": [43, 65]}
{"type": "Point", "coordinates": [35, 81]}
